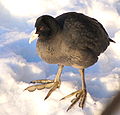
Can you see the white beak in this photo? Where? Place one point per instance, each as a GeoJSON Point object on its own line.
{"type": "Point", "coordinates": [33, 36]}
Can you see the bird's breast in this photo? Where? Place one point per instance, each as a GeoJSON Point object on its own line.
{"type": "Point", "coordinates": [49, 51]}
{"type": "Point", "coordinates": [57, 52]}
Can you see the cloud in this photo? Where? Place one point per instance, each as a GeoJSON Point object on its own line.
{"type": "Point", "coordinates": [13, 15]}
{"type": "Point", "coordinates": [34, 7]}
{"type": "Point", "coordinates": [117, 5]}
{"type": "Point", "coordinates": [10, 22]}
{"type": "Point", "coordinates": [102, 10]}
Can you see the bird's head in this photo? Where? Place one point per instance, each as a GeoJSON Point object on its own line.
{"type": "Point", "coordinates": [45, 27]}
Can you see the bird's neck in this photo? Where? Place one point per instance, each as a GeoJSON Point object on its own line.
{"type": "Point", "coordinates": [49, 36]}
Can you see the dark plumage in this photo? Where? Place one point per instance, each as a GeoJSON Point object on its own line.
{"type": "Point", "coordinates": [71, 39]}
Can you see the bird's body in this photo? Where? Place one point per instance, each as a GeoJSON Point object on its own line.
{"type": "Point", "coordinates": [78, 42]}
{"type": "Point", "coordinates": [71, 39]}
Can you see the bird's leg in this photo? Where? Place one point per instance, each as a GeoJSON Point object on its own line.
{"type": "Point", "coordinates": [45, 83]}
{"type": "Point", "coordinates": [80, 94]}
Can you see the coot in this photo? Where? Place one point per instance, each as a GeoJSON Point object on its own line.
{"type": "Point", "coordinates": [71, 39]}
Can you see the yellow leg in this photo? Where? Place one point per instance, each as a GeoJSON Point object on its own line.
{"type": "Point", "coordinates": [80, 94]}
{"type": "Point", "coordinates": [45, 83]}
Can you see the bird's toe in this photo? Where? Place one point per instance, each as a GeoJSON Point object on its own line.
{"type": "Point", "coordinates": [39, 87]}
{"type": "Point", "coordinates": [44, 81]}
{"type": "Point", "coordinates": [80, 97]}
{"type": "Point", "coordinates": [44, 84]}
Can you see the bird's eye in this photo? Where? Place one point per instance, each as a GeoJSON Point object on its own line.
{"type": "Point", "coordinates": [41, 28]}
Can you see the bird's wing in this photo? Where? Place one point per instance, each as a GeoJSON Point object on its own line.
{"type": "Point", "coordinates": [99, 24]}
{"type": "Point", "coordinates": [83, 32]}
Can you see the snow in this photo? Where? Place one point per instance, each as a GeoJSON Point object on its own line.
{"type": "Point", "coordinates": [20, 64]}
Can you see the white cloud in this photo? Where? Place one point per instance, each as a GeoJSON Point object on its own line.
{"type": "Point", "coordinates": [34, 7]}
{"type": "Point", "coordinates": [102, 10]}
{"type": "Point", "coordinates": [109, 80]}
{"type": "Point", "coordinates": [116, 46]}
{"type": "Point", "coordinates": [10, 22]}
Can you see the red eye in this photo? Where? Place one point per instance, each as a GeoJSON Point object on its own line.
{"type": "Point", "coordinates": [41, 28]}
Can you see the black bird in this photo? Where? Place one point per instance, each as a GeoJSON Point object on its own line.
{"type": "Point", "coordinates": [71, 39]}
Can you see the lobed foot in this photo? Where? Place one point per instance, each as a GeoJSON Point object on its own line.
{"type": "Point", "coordinates": [80, 97]}
{"type": "Point", "coordinates": [44, 84]}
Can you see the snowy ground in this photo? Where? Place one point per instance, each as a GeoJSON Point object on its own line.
{"type": "Point", "coordinates": [19, 63]}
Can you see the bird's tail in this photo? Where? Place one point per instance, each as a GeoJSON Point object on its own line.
{"type": "Point", "coordinates": [112, 40]}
